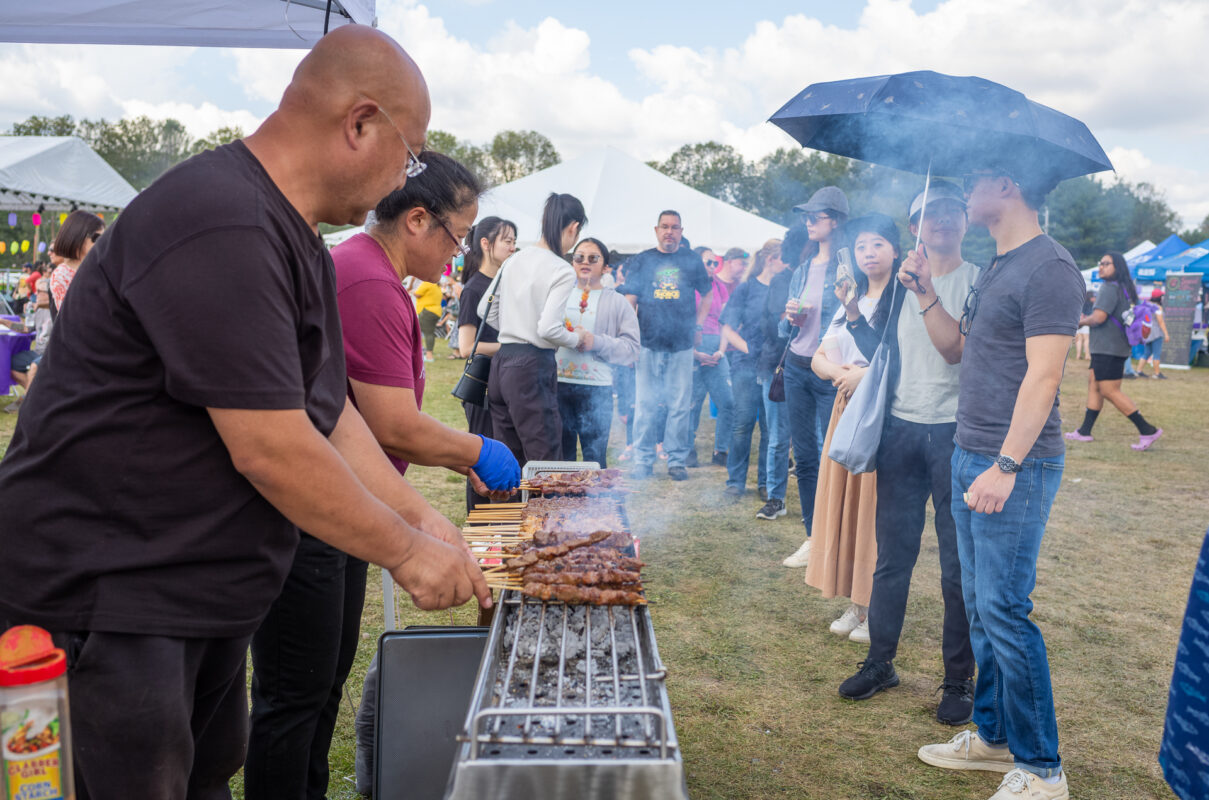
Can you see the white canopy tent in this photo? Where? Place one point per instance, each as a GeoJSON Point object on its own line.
{"type": "Point", "coordinates": [58, 173]}
{"type": "Point", "coordinates": [195, 23]}
{"type": "Point", "coordinates": [623, 198]}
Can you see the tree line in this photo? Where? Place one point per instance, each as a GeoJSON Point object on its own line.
{"type": "Point", "coordinates": [1085, 215]}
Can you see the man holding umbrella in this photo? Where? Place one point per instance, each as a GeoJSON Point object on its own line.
{"type": "Point", "coordinates": [1018, 323]}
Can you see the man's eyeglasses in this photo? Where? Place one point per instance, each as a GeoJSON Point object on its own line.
{"type": "Point", "coordinates": [967, 312]}
{"type": "Point", "coordinates": [460, 249]}
{"type": "Point", "coordinates": [580, 258]}
{"type": "Point", "coordinates": [414, 165]}
{"type": "Point", "coordinates": [815, 216]}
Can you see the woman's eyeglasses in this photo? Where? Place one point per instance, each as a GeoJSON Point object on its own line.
{"type": "Point", "coordinates": [580, 258]}
{"type": "Point", "coordinates": [967, 312]}
{"type": "Point", "coordinates": [815, 216]}
{"type": "Point", "coordinates": [460, 249]}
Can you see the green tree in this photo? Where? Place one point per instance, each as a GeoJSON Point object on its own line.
{"type": "Point", "coordinates": [476, 159]}
{"type": "Point", "coordinates": [787, 177]}
{"type": "Point", "coordinates": [713, 168]}
{"type": "Point", "coordinates": [1198, 234]}
{"type": "Point", "coordinates": [140, 149]}
{"type": "Point", "coordinates": [1152, 217]}
{"type": "Point", "coordinates": [36, 125]}
{"type": "Point", "coordinates": [515, 154]}
{"type": "Point", "coordinates": [216, 138]}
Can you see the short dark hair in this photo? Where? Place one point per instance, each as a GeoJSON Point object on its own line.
{"type": "Point", "coordinates": [667, 212]}
{"type": "Point", "coordinates": [1033, 186]}
{"type": "Point", "coordinates": [796, 239]}
{"type": "Point", "coordinates": [560, 211]}
{"type": "Point", "coordinates": [880, 225]}
{"type": "Point", "coordinates": [444, 187]}
{"type": "Point", "coordinates": [77, 228]}
{"type": "Point", "coordinates": [489, 228]}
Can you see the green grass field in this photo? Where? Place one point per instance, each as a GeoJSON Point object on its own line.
{"type": "Point", "coordinates": [753, 671]}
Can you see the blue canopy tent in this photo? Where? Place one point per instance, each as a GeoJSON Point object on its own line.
{"type": "Point", "coordinates": [1201, 265]}
{"type": "Point", "coordinates": [1157, 270]}
{"type": "Point", "coordinates": [1173, 245]}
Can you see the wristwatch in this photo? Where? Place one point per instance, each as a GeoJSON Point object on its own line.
{"type": "Point", "coordinates": [1008, 464]}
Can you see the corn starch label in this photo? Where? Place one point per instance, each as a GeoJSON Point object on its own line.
{"type": "Point", "coordinates": [31, 755]}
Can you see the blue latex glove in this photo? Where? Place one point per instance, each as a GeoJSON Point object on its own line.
{"type": "Point", "coordinates": [497, 467]}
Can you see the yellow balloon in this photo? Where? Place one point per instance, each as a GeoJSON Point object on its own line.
{"type": "Point", "coordinates": [62, 218]}
{"type": "Point", "coordinates": [3, 247]}
{"type": "Point", "coordinates": [25, 246]}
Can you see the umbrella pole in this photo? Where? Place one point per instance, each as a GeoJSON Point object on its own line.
{"type": "Point", "coordinates": [924, 208]}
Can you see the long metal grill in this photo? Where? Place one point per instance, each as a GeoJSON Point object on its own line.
{"type": "Point", "coordinates": [580, 680]}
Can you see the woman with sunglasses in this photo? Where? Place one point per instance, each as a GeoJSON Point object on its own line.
{"type": "Point", "coordinates": [529, 311]}
{"type": "Point", "coordinates": [75, 239]}
{"type": "Point", "coordinates": [585, 377]}
{"type": "Point", "coordinates": [1110, 350]}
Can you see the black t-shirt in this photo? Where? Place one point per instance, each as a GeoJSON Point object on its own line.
{"type": "Point", "coordinates": [744, 313]}
{"type": "Point", "coordinates": [664, 284]}
{"type": "Point", "coordinates": [468, 313]}
{"type": "Point", "coordinates": [122, 510]}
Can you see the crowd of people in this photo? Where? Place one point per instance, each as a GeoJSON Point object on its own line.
{"type": "Point", "coordinates": [248, 495]}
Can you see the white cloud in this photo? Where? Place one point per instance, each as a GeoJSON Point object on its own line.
{"type": "Point", "coordinates": [198, 120]}
{"type": "Point", "coordinates": [1183, 188]}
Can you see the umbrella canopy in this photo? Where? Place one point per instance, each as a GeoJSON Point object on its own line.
{"type": "Point", "coordinates": [954, 124]}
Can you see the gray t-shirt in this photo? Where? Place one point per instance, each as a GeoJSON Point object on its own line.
{"type": "Point", "coordinates": [927, 384]}
{"type": "Point", "coordinates": [1108, 339]}
{"type": "Point", "coordinates": [1034, 290]}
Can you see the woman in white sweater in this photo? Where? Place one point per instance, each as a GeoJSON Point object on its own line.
{"type": "Point", "coordinates": [585, 379]}
{"type": "Point", "coordinates": [530, 298]}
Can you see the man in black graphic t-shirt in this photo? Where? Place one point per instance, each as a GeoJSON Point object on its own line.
{"type": "Point", "coordinates": [662, 284]}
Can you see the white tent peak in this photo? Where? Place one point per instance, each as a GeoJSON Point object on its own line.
{"type": "Point", "coordinates": [622, 197]}
{"type": "Point", "coordinates": [58, 172]}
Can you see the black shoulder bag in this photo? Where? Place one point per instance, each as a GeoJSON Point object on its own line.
{"type": "Point", "coordinates": [472, 386]}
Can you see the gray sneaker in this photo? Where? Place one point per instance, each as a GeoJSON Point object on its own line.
{"type": "Point", "coordinates": [772, 509]}
{"type": "Point", "coordinates": [967, 751]}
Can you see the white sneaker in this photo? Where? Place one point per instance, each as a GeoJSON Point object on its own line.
{"type": "Point", "coordinates": [860, 633]}
{"type": "Point", "coordinates": [967, 751]}
{"type": "Point", "coordinates": [1020, 784]}
{"type": "Point", "coordinates": [847, 622]}
{"type": "Point", "coordinates": [801, 558]}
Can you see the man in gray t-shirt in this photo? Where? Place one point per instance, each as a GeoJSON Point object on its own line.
{"type": "Point", "coordinates": [1018, 324]}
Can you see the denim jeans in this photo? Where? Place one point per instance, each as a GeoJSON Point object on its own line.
{"type": "Point", "coordinates": [748, 411]}
{"type": "Point", "coordinates": [663, 378]}
{"type": "Point", "coordinates": [809, 399]}
{"type": "Point", "coordinates": [716, 382]}
{"type": "Point", "coordinates": [776, 416]}
{"type": "Point", "coordinates": [1013, 699]}
{"type": "Point", "coordinates": [913, 462]}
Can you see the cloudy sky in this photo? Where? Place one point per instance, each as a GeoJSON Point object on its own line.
{"type": "Point", "coordinates": [647, 77]}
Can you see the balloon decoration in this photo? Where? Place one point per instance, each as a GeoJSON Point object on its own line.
{"type": "Point", "coordinates": [15, 247]}
{"type": "Point", "coordinates": [3, 246]}
{"type": "Point", "coordinates": [12, 219]}
{"type": "Point", "coordinates": [41, 247]}
{"type": "Point", "coordinates": [62, 218]}
{"type": "Point", "coordinates": [37, 219]}
{"type": "Point", "coordinates": [25, 246]}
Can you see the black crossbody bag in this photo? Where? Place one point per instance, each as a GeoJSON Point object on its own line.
{"type": "Point", "coordinates": [472, 386]}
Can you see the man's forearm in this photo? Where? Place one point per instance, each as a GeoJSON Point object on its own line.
{"type": "Point", "coordinates": [1034, 402]}
{"type": "Point", "coordinates": [942, 329]}
{"type": "Point", "coordinates": [428, 442]}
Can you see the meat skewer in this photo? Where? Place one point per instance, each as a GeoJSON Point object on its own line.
{"type": "Point", "coordinates": [588, 577]}
{"type": "Point", "coordinates": [583, 594]}
{"type": "Point", "coordinates": [534, 554]}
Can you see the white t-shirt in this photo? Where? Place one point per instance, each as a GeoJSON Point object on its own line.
{"type": "Point", "coordinates": [530, 308]}
{"type": "Point", "coordinates": [927, 385]}
{"type": "Point", "coordinates": [838, 345]}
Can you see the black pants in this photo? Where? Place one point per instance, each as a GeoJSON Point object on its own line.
{"type": "Point", "coordinates": [913, 461]}
{"type": "Point", "coordinates": [587, 414]}
{"type": "Point", "coordinates": [301, 657]}
{"type": "Point", "coordinates": [523, 394]}
{"type": "Point", "coordinates": [478, 420]}
{"type": "Point", "coordinates": [155, 717]}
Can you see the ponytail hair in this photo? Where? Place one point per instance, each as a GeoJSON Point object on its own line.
{"type": "Point", "coordinates": [560, 211]}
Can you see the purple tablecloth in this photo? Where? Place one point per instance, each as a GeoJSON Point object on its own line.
{"type": "Point", "coordinates": [11, 343]}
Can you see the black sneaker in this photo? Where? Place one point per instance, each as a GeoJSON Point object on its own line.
{"type": "Point", "coordinates": [719, 459]}
{"type": "Point", "coordinates": [1161, 377]}
{"type": "Point", "coordinates": [772, 509]}
{"type": "Point", "coordinates": [871, 678]}
{"type": "Point", "coordinates": [957, 703]}
{"type": "Point", "coordinates": [691, 462]}
{"type": "Point", "coordinates": [677, 473]}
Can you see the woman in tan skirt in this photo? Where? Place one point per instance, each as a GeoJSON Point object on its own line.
{"type": "Point", "coordinates": [845, 505]}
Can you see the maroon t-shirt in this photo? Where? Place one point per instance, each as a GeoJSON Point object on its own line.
{"type": "Point", "coordinates": [381, 329]}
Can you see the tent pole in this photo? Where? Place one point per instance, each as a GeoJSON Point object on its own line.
{"type": "Point", "coordinates": [327, 16]}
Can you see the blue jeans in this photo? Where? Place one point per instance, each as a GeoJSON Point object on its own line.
{"type": "Point", "coordinates": [1013, 699]}
{"type": "Point", "coordinates": [748, 411]}
{"type": "Point", "coordinates": [665, 378]}
{"type": "Point", "coordinates": [1153, 350]}
{"type": "Point", "coordinates": [809, 399]}
{"type": "Point", "coordinates": [777, 470]}
{"type": "Point", "coordinates": [716, 382]}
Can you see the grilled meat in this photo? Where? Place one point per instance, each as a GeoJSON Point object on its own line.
{"type": "Point", "coordinates": [583, 594]}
